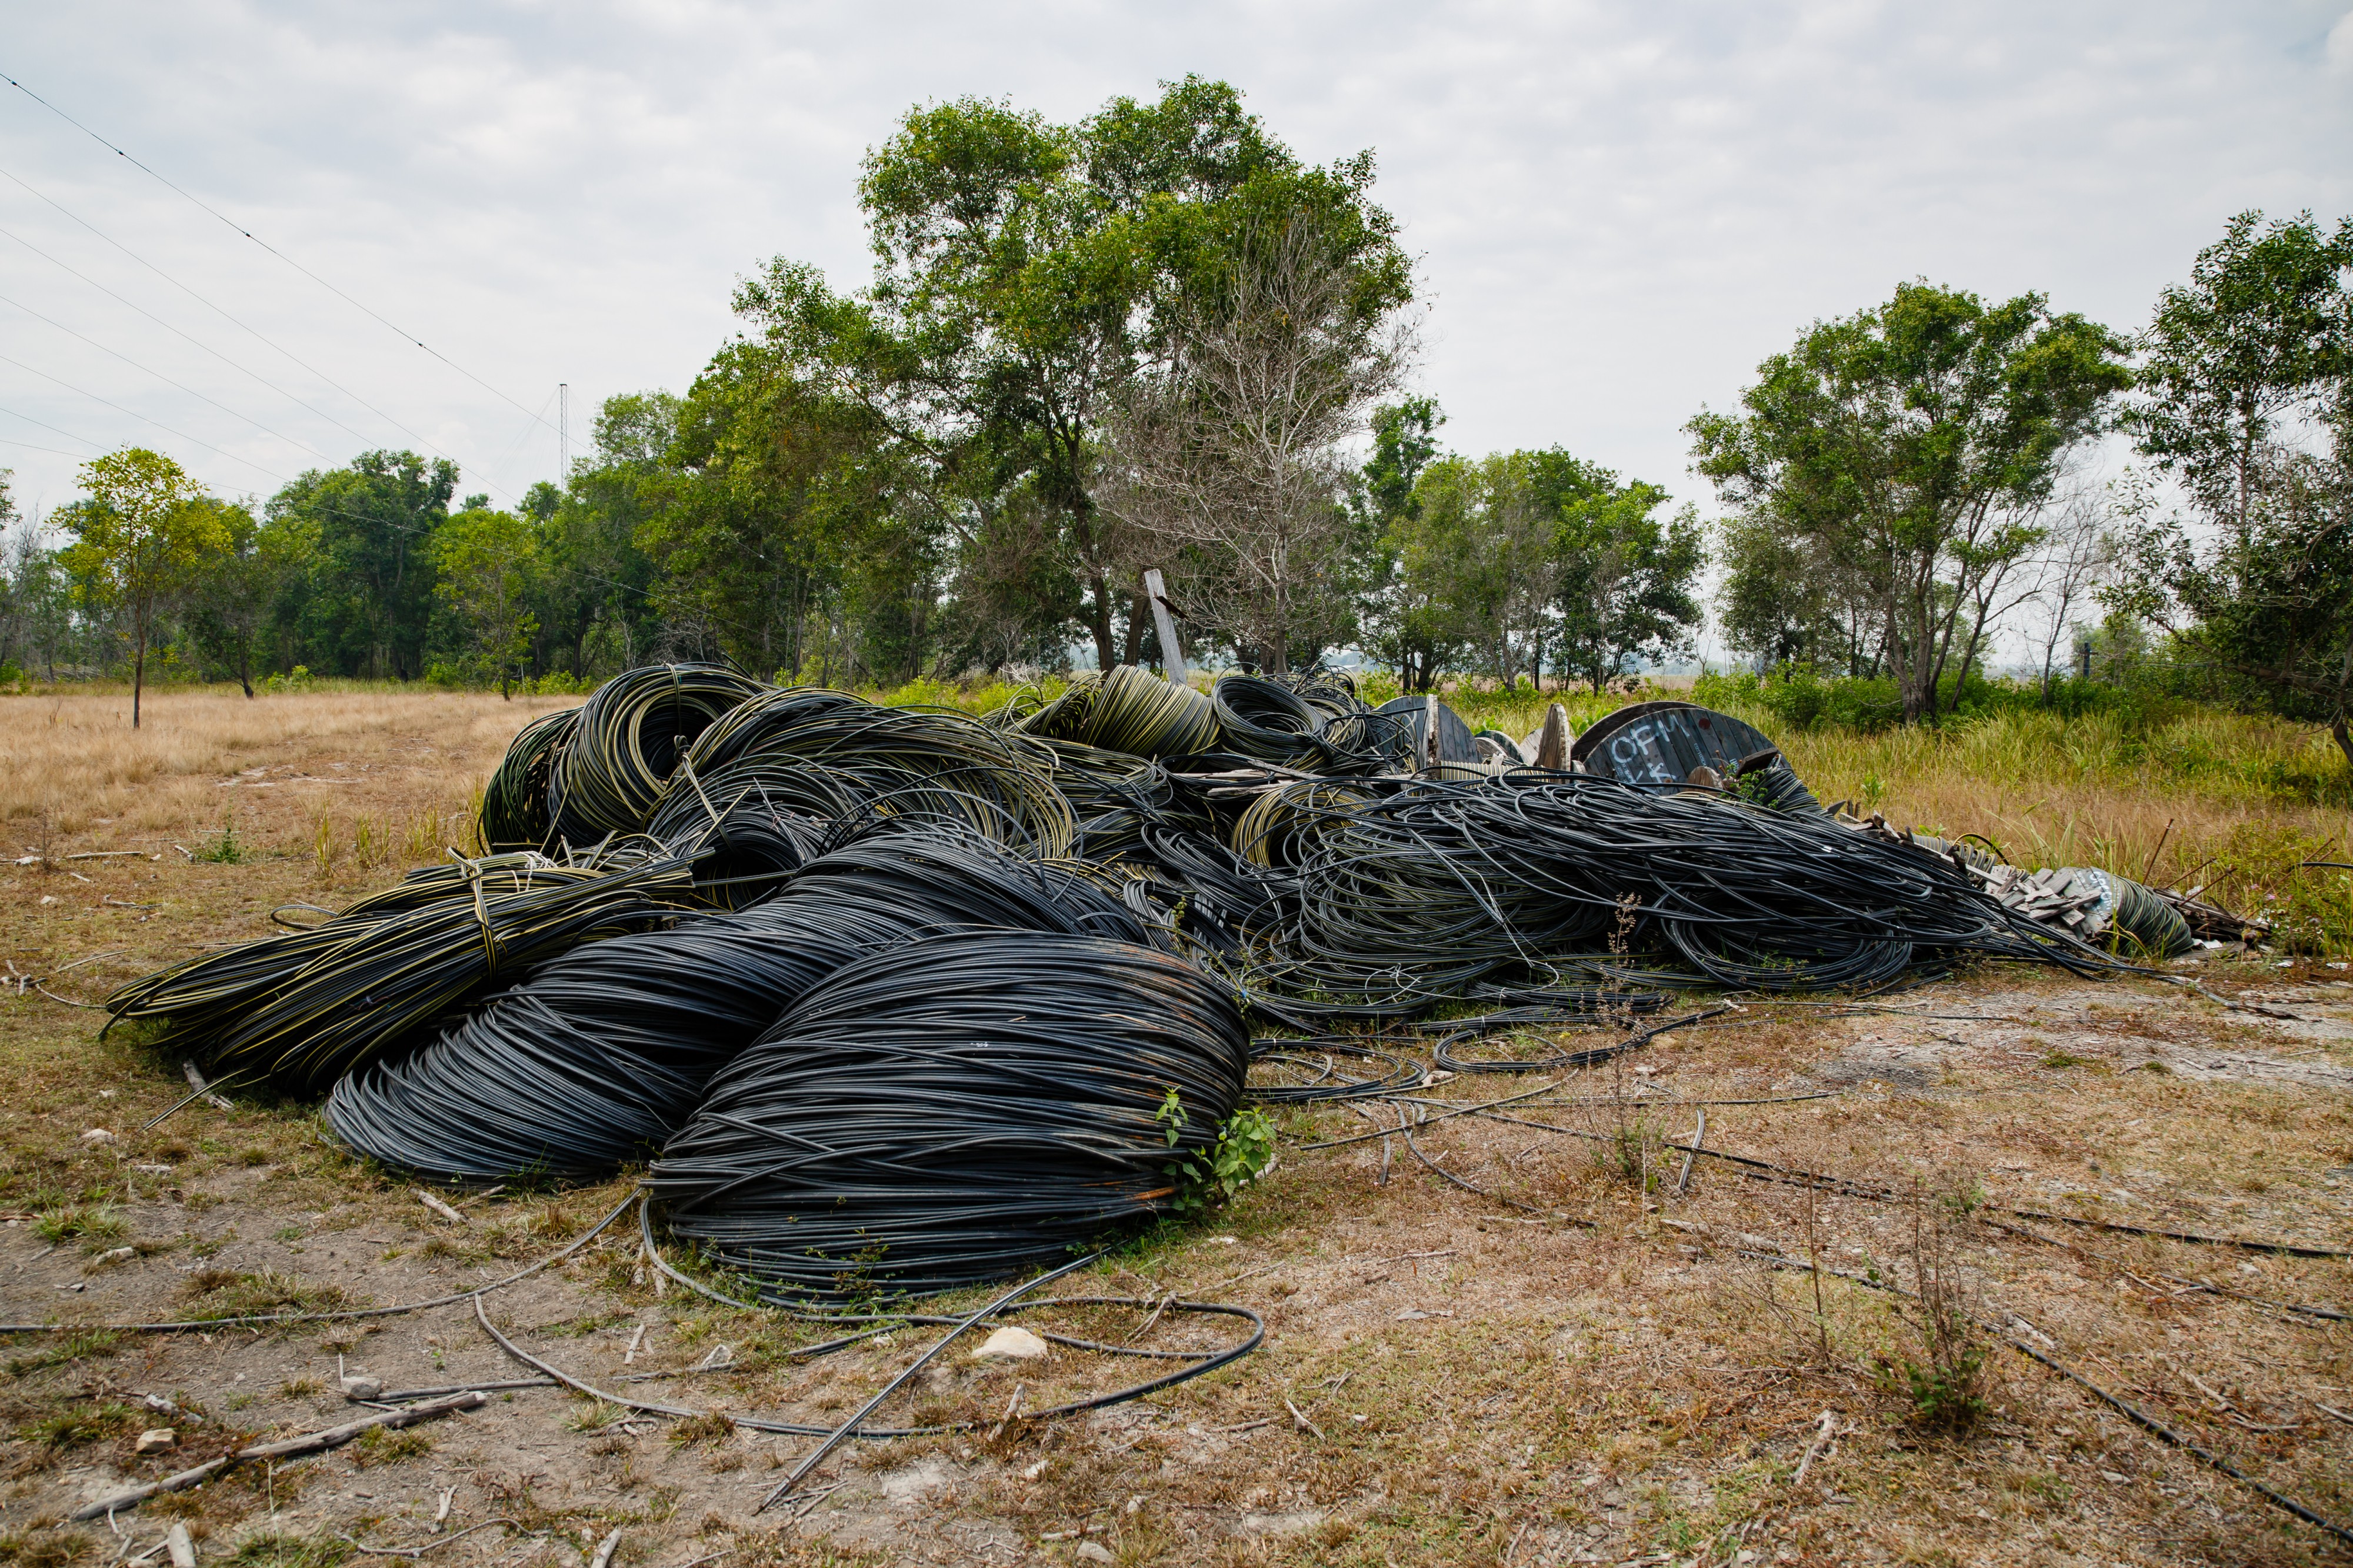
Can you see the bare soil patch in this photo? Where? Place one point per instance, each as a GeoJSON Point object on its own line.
{"type": "Point", "coordinates": [1601, 1374]}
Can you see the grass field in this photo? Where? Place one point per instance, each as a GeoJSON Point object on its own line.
{"type": "Point", "coordinates": [1606, 1373]}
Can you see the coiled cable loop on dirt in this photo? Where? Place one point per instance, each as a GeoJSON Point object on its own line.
{"type": "Point", "coordinates": [628, 738]}
{"type": "Point", "coordinates": [956, 1109]}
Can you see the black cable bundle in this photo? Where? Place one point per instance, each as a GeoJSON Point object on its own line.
{"type": "Point", "coordinates": [954, 1110]}
{"type": "Point", "coordinates": [373, 983]}
{"type": "Point", "coordinates": [1127, 709]}
{"type": "Point", "coordinates": [1325, 730]}
{"type": "Point", "coordinates": [1444, 879]}
{"type": "Point", "coordinates": [602, 1053]}
{"type": "Point", "coordinates": [628, 738]}
{"type": "Point", "coordinates": [514, 813]}
{"type": "Point", "coordinates": [745, 838]}
{"type": "Point", "coordinates": [198, 1000]}
{"type": "Point", "coordinates": [918, 762]}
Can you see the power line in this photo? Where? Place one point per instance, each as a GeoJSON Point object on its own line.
{"type": "Point", "coordinates": [29, 447]}
{"type": "Point", "coordinates": [159, 425]}
{"type": "Point", "coordinates": [265, 244]}
{"type": "Point", "coordinates": [233, 321]}
{"type": "Point", "coordinates": [47, 425]}
{"type": "Point", "coordinates": [199, 342]}
{"type": "Point", "coordinates": [166, 380]}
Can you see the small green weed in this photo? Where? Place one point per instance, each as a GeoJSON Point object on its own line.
{"type": "Point", "coordinates": [226, 850]}
{"type": "Point", "coordinates": [81, 1423]}
{"type": "Point", "coordinates": [90, 1222]}
{"type": "Point", "coordinates": [64, 1348]}
{"type": "Point", "coordinates": [1243, 1149]}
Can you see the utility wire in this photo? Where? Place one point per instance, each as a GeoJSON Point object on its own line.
{"type": "Point", "coordinates": [29, 447]}
{"type": "Point", "coordinates": [47, 425]}
{"type": "Point", "coordinates": [159, 425]}
{"type": "Point", "coordinates": [166, 380]}
{"type": "Point", "coordinates": [297, 401]}
{"type": "Point", "coordinates": [216, 309]}
{"type": "Point", "coordinates": [265, 244]}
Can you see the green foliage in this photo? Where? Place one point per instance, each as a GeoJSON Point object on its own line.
{"type": "Point", "coordinates": [1944, 1395]}
{"type": "Point", "coordinates": [488, 566]}
{"type": "Point", "coordinates": [299, 678]}
{"type": "Point", "coordinates": [79, 1423]}
{"type": "Point", "coordinates": [1518, 561]}
{"type": "Point", "coordinates": [144, 533]}
{"type": "Point", "coordinates": [87, 1223]}
{"type": "Point", "coordinates": [1911, 444]}
{"type": "Point", "coordinates": [1210, 1176]}
{"type": "Point", "coordinates": [226, 850]}
{"type": "Point", "coordinates": [61, 1349]}
{"type": "Point", "coordinates": [2264, 873]}
{"type": "Point", "coordinates": [2261, 334]}
{"type": "Point", "coordinates": [364, 533]}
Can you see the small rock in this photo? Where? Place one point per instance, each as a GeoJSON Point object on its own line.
{"type": "Point", "coordinates": [155, 1439]}
{"type": "Point", "coordinates": [2112, 1476]}
{"type": "Point", "coordinates": [117, 1255]}
{"type": "Point", "coordinates": [152, 1169]}
{"type": "Point", "coordinates": [1093, 1552]}
{"type": "Point", "coordinates": [1033, 1472]}
{"type": "Point", "coordinates": [1009, 1343]}
{"type": "Point", "coordinates": [358, 1387]}
{"type": "Point", "coordinates": [97, 1135]}
{"type": "Point", "coordinates": [182, 1550]}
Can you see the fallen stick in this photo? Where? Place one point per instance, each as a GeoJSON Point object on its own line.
{"type": "Point", "coordinates": [292, 1448]}
{"type": "Point", "coordinates": [1828, 1424]}
{"type": "Point", "coordinates": [438, 1207]}
{"type": "Point", "coordinates": [204, 1090]}
{"type": "Point", "coordinates": [1682, 1182]}
{"type": "Point", "coordinates": [605, 1550]}
{"type": "Point", "coordinates": [414, 1552]}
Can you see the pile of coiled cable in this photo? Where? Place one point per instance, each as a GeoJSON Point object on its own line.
{"type": "Point", "coordinates": [628, 738]}
{"type": "Point", "coordinates": [1440, 885]}
{"type": "Point", "coordinates": [303, 1008]}
{"type": "Point", "coordinates": [602, 1053]}
{"type": "Point", "coordinates": [1313, 723]}
{"type": "Point", "coordinates": [955, 1109]}
{"type": "Point", "coordinates": [913, 762]}
{"type": "Point", "coordinates": [831, 963]}
{"type": "Point", "coordinates": [1131, 709]}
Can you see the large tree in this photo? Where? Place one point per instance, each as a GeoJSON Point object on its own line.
{"type": "Point", "coordinates": [781, 486]}
{"type": "Point", "coordinates": [1228, 448]}
{"type": "Point", "coordinates": [2250, 401]}
{"type": "Point", "coordinates": [144, 533]}
{"type": "Point", "coordinates": [1625, 579]}
{"type": "Point", "coordinates": [1022, 270]}
{"type": "Point", "coordinates": [1916, 442]}
{"type": "Point", "coordinates": [369, 600]}
{"type": "Point", "coordinates": [487, 565]}
{"type": "Point", "coordinates": [2257, 342]}
{"type": "Point", "coordinates": [1405, 623]}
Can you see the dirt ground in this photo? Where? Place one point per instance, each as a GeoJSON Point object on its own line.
{"type": "Point", "coordinates": [1587, 1361]}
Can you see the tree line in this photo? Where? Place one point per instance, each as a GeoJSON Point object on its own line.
{"type": "Point", "coordinates": [1157, 338]}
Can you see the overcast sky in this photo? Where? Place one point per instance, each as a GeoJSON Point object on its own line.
{"type": "Point", "coordinates": [1617, 208]}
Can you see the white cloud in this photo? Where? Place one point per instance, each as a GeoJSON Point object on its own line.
{"type": "Point", "coordinates": [2338, 52]}
{"type": "Point", "coordinates": [1619, 209]}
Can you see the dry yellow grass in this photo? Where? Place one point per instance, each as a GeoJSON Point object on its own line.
{"type": "Point", "coordinates": [1475, 1382]}
{"type": "Point", "coordinates": [74, 759]}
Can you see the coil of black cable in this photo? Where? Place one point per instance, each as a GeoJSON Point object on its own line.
{"type": "Point", "coordinates": [953, 1111]}
{"type": "Point", "coordinates": [514, 813]}
{"type": "Point", "coordinates": [628, 738]}
{"type": "Point", "coordinates": [600, 1054]}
